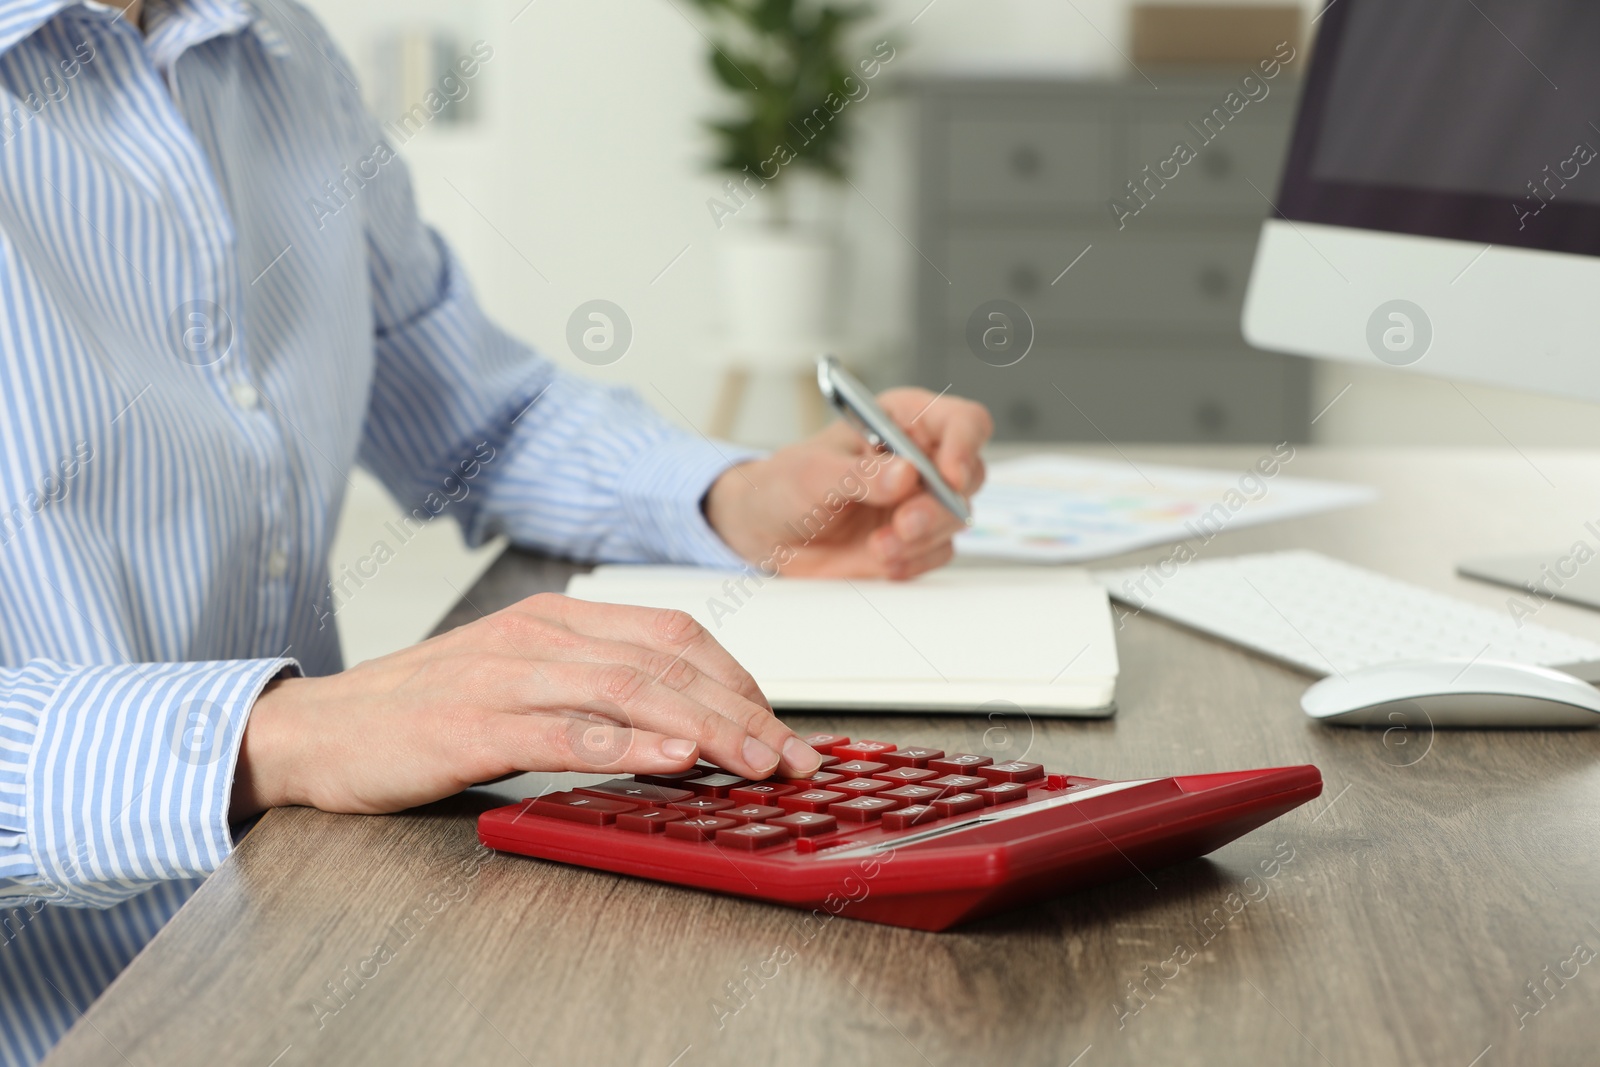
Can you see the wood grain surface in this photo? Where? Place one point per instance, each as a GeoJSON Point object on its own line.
{"type": "Point", "coordinates": [1411, 905]}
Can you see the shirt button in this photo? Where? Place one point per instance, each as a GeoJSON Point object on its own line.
{"type": "Point", "coordinates": [245, 396]}
{"type": "Point", "coordinates": [277, 565]}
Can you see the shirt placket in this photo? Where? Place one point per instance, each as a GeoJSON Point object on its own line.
{"type": "Point", "coordinates": [215, 320]}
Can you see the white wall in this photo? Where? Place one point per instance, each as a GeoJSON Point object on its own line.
{"type": "Point", "coordinates": [586, 180]}
{"type": "Point", "coordinates": [590, 169]}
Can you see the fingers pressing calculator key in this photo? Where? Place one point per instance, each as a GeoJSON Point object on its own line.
{"type": "Point", "coordinates": [904, 834]}
{"type": "Point", "coordinates": [862, 750]}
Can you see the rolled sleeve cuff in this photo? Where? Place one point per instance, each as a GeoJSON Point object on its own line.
{"type": "Point", "coordinates": [662, 494]}
{"type": "Point", "coordinates": [130, 776]}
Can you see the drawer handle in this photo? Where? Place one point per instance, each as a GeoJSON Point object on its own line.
{"type": "Point", "coordinates": [1025, 161]}
{"type": "Point", "coordinates": [1211, 417]}
{"type": "Point", "coordinates": [1022, 416]}
{"type": "Point", "coordinates": [1024, 279]}
{"type": "Point", "coordinates": [1214, 282]}
{"type": "Point", "coordinates": [1216, 164]}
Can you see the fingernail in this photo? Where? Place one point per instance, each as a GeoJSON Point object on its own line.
{"type": "Point", "coordinates": [801, 756]}
{"type": "Point", "coordinates": [914, 525]}
{"type": "Point", "coordinates": [676, 748]}
{"type": "Point", "coordinates": [759, 755]}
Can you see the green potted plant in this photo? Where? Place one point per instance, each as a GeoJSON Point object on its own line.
{"type": "Point", "coordinates": [791, 85]}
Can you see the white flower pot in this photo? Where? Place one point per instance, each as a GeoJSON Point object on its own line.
{"type": "Point", "coordinates": [779, 295]}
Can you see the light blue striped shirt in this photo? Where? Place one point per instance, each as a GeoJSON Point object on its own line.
{"type": "Point", "coordinates": [199, 337]}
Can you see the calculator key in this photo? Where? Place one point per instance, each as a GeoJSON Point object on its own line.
{"type": "Point", "coordinates": [597, 811]}
{"type": "Point", "coordinates": [865, 809]}
{"type": "Point", "coordinates": [958, 763]}
{"type": "Point", "coordinates": [750, 813]}
{"type": "Point", "coordinates": [652, 821]}
{"type": "Point", "coordinates": [826, 743]}
{"type": "Point", "coordinates": [761, 792]}
{"type": "Point", "coordinates": [858, 768]}
{"type": "Point", "coordinates": [810, 800]}
{"type": "Point", "coordinates": [956, 783]}
{"type": "Point", "coordinates": [816, 781]}
{"type": "Point", "coordinates": [806, 823]}
{"type": "Point", "coordinates": [715, 785]}
{"type": "Point", "coordinates": [1011, 771]}
{"type": "Point", "coordinates": [753, 836]}
{"type": "Point", "coordinates": [959, 804]}
{"type": "Point", "coordinates": [675, 778]}
{"type": "Point", "coordinates": [860, 787]}
{"type": "Point", "coordinates": [698, 827]}
{"type": "Point", "coordinates": [905, 818]}
{"type": "Point", "coordinates": [863, 750]}
{"type": "Point", "coordinates": [911, 756]}
{"type": "Point", "coordinates": [915, 794]}
{"type": "Point", "coordinates": [906, 775]}
{"type": "Point", "coordinates": [701, 805]}
{"type": "Point", "coordinates": [635, 792]}
{"type": "Point", "coordinates": [1003, 792]}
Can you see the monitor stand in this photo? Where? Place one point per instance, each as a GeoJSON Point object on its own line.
{"type": "Point", "coordinates": [1541, 576]}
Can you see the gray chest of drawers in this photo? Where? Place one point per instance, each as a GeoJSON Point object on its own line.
{"type": "Point", "coordinates": [1139, 340]}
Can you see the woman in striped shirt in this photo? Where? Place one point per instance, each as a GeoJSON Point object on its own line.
{"type": "Point", "coordinates": [195, 350]}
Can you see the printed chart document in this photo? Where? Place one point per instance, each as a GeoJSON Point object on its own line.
{"type": "Point", "coordinates": [957, 640]}
{"type": "Point", "coordinates": [1067, 509]}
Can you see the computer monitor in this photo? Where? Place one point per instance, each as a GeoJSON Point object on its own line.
{"type": "Point", "coordinates": [1440, 207]}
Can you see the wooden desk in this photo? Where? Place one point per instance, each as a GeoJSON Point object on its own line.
{"type": "Point", "coordinates": [1428, 885]}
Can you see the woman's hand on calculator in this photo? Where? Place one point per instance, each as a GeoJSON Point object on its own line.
{"type": "Point", "coordinates": [550, 684]}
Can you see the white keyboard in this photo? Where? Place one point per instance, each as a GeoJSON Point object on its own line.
{"type": "Point", "coordinates": [1325, 616]}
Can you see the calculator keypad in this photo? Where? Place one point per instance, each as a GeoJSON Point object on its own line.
{"type": "Point", "coordinates": [957, 783]}
{"type": "Point", "coordinates": [1011, 771]}
{"type": "Point", "coordinates": [1003, 792]}
{"type": "Point", "coordinates": [866, 786]}
{"type": "Point", "coordinates": [753, 836]}
{"type": "Point", "coordinates": [701, 805]}
{"type": "Point", "coordinates": [806, 823]}
{"type": "Point", "coordinates": [761, 792]}
{"type": "Point", "coordinates": [912, 794]}
{"type": "Point", "coordinates": [820, 780]}
{"type": "Point", "coordinates": [959, 763]}
{"type": "Point", "coordinates": [810, 800]}
{"type": "Point", "coordinates": [698, 828]}
{"type": "Point", "coordinates": [862, 809]}
{"type": "Point", "coordinates": [907, 775]}
{"type": "Point", "coordinates": [576, 807]}
{"type": "Point", "coordinates": [750, 813]}
{"type": "Point", "coordinates": [860, 787]}
{"type": "Point", "coordinates": [676, 778]}
{"type": "Point", "coordinates": [651, 821]}
{"type": "Point", "coordinates": [862, 750]}
{"type": "Point", "coordinates": [910, 816]}
{"type": "Point", "coordinates": [635, 792]}
{"type": "Point", "coordinates": [911, 756]}
{"type": "Point", "coordinates": [959, 804]}
{"type": "Point", "coordinates": [858, 768]}
{"type": "Point", "coordinates": [715, 785]}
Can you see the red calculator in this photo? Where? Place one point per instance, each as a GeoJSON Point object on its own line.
{"type": "Point", "coordinates": [905, 835]}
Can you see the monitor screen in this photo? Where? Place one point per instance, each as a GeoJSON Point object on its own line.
{"type": "Point", "coordinates": [1470, 119]}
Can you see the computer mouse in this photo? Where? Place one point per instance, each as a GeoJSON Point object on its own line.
{"type": "Point", "coordinates": [1454, 693]}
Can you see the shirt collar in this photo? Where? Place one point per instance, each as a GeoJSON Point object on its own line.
{"type": "Point", "coordinates": [200, 20]}
{"type": "Point", "coordinates": [172, 27]}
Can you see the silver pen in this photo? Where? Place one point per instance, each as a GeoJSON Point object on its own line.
{"type": "Point", "coordinates": [861, 410]}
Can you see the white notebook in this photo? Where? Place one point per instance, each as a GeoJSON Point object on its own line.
{"type": "Point", "coordinates": [951, 641]}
